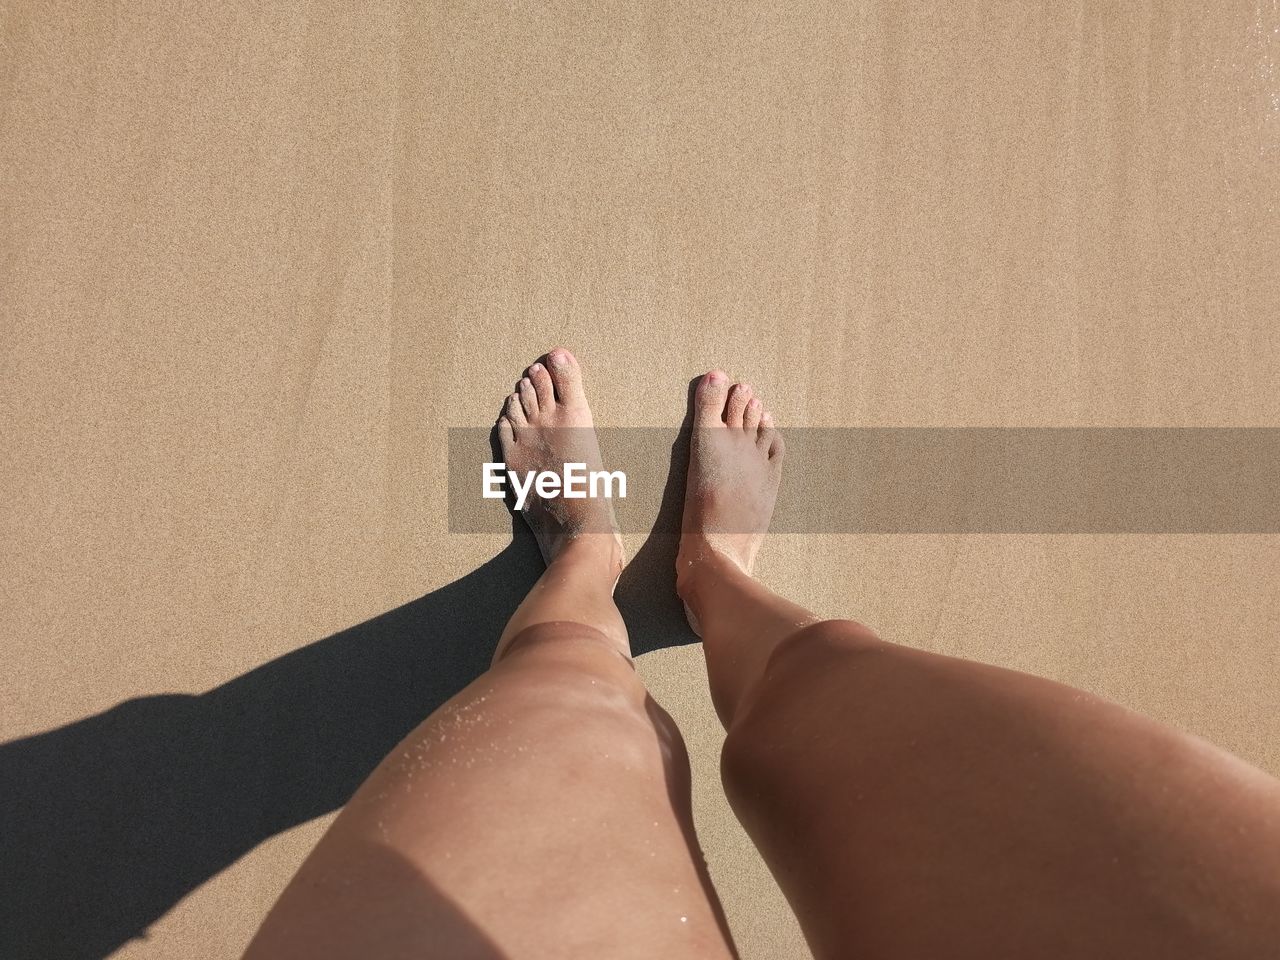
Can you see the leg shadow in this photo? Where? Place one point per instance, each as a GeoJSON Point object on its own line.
{"type": "Point", "coordinates": [646, 592]}
{"type": "Point", "coordinates": [107, 822]}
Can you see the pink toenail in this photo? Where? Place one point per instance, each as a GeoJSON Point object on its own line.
{"type": "Point", "coordinates": [536, 367]}
{"type": "Point", "coordinates": [715, 376]}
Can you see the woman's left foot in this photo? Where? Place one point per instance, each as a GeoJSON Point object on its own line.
{"type": "Point", "coordinates": [545, 424]}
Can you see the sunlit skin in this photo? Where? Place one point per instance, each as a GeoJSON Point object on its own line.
{"type": "Point", "coordinates": [909, 805]}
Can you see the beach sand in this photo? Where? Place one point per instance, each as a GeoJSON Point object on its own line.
{"type": "Point", "coordinates": [255, 262]}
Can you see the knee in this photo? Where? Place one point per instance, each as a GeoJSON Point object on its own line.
{"type": "Point", "coordinates": [846, 636]}
{"type": "Point", "coordinates": [798, 693]}
{"type": "Point", "coordinates": [572, 667]}
{"type": "Point", "coordinates": [574, 678]}
{"type": "Point", "coordinates": [807, 658]}
{"type": "Point", "coordinates": [564, 641]}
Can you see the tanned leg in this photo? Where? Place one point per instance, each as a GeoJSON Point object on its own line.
{"type": "Point", "coordinates": [913, 805]}
{"type": "Point", "coordinates": [544, 812]}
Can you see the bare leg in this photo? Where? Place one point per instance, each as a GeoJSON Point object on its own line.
{"type": "Point", "coordinates": [913, 805]}
{"type": "Point", "coordinates": [545, 810]}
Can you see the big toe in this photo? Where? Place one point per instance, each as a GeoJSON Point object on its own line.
{"type": "Point", "coordinates": [566, 376]}
{"type": "Point", "coordinates": [709, 399]}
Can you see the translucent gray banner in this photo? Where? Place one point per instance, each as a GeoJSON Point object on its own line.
{"type": "Point", "coordinates": [943, 480]}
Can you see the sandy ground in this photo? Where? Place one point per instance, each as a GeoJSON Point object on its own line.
{"type": "Point", "coordinates": [255, 259]}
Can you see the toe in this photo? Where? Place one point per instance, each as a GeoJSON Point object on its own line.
{"type": "Point", "coordinates": [528, 397]}
{"type": "Point", "coordinates": [776, 447]}
{"type": "Point", "coordinates": [566, 376]}
{"type": "Point", "coordinates": [764, 435]}
{"type": "Point", "coordinates": [739, 397]}
{"type": "Point", "coordinates": [514, 411]}
{"type": "Point", "coordinates": [709, 398]}
{"type": "Point", "coordinates": [542, 386]}
{"type": "Point", "coordinates": [506, 434]}
{"type": "Point", "coordinates": [751, 418]}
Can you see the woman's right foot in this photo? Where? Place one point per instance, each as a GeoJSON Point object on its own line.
{"type": "Point", "coordinates": [544, 425]}
{"type": "Point", "coordinates": [735, 464]}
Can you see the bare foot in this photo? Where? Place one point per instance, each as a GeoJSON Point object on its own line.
{"type": "Point", "coordinates": [735, 464]}
{"type": "Point", "coordinates": [545, 424]}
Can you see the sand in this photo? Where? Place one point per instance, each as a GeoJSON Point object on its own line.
{"type": "Point", "coordinates": [254, 262]}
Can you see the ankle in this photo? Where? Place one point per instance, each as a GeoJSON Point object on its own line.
{"type": "Point", "coordinates": [596, 553]}
{"type": "Point", "coordinates": [698, 565]}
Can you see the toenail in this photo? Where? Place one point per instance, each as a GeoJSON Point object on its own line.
{"type": "Point", "coordinates": [536, 367]}
{"type": "Point", "coordinates": [753, 402]}
{"type": "Point", "coordinates": [715, 376]}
